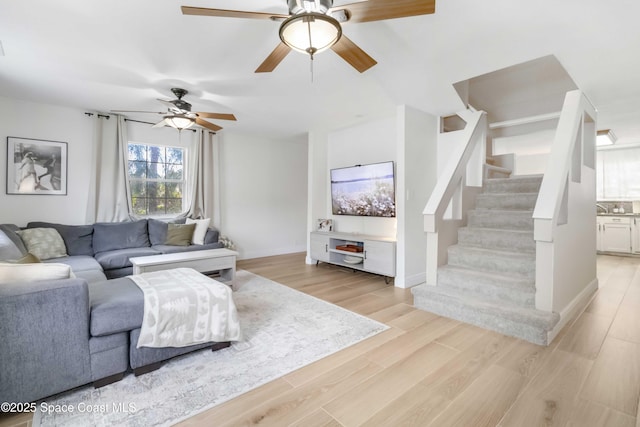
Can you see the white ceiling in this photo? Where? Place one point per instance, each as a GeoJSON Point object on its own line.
{"type": "Point", "coordinates": [123, 54]}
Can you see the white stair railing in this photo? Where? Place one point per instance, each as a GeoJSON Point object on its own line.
{"type": "Point", "coordinates": [452, 193]}
{"type": "Point", "coordinates": [564, 215]}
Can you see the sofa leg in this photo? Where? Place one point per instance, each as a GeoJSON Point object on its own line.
{"type": "Point", "coordinates": [147, 368]}
{"type": "Point", "coordinates": [220, 345]}
{"type": "Point", "coordinates": [108, 380]}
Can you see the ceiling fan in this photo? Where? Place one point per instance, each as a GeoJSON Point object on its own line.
{"type": "Point", "coordinates": [315, 25]}
{"type": "Point", "coordinates": [180, 116]}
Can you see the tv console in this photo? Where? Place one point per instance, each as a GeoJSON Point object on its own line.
{"type": "Point", "coordinates": [372, 254]}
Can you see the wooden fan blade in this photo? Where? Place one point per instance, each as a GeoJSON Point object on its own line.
{"type": "Point", "coordinates": [160, 124]}
{"type": "Point", "coordinates": [218, 116]}
{"type": "Point", "coordinates": [206, 124]}
{"type": "Point", "coordinates": [274, 58]}
{"type": "Point", "coordinates": [378, 10]}
{"type": "Point", "coordinates": [350, 52]}
{"type": "Point", "coordinates": [203, 11]}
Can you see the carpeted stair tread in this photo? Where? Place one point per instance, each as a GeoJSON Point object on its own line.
{"type": "Point", "coordinates": [505, 219]}
{"type": "Point", "coordinates": [509, 263]}
{"type": "Point", "coordinates": [522, 184]}
{"type": "Point", "coordinates": [496, 238]}
{"type": "Point", "coordinates": [520, 322]}
{"type": "Point", "coordinates": [519, 291]}
{"type": "Point", "coordinates": [511, 201]}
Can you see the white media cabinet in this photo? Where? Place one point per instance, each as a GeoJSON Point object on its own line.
{"type": "Point", "coordinates": [378, 253]}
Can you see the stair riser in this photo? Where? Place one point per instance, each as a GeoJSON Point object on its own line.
{"type": "Point", "coordinates": [497, 239]}
{"type": "Point", "coordinates": [511, 186]}
{"type": "Point", "coordinates": [502, 220]}
{"type": "Point", "coordinates": [506, 201]}
{"type": "Point", "coordinates": [492, 263]}
{"type": "Point", "coordinates": [520, 297]}
{"type": "Point", "coordinates": [454, 310]}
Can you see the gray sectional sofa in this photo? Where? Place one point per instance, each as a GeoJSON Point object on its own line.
{"type": "Point", "coordinates": [60, 334]}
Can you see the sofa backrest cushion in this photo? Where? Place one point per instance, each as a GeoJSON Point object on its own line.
{"type": "Point", "coordinates": [8, 249]}
{"type": "Point", "coordinates": [109, 236]}
{"type": "Point", "coordinates": [78, 239]}
{"type": "Point", "coordinates": [158, 230]}
{"type": "Point", "coordinates": [45, 243]}
{"type": "Point", "coordinates": [10, 231]}
{"type": "Point", "coordinates": [29, 272]}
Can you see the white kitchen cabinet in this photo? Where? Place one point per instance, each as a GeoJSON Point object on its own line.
{"type": "Point", "coordinates": [599, 234]}
{"type": "Point", "coordinates": [376, 254]}
{"type": "Point", "coordinates": [615, 234]}
{"type": "Point", "coordinates": [635, 235]}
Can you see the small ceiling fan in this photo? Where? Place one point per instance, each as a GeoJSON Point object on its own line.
{"type": "Point", "coordinates": [315, 25]}
{"type": "Point", "coordinates": [180, 116]}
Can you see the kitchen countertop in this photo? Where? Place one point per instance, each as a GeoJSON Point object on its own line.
{"type": "Point", "coordinates": [618, 214]}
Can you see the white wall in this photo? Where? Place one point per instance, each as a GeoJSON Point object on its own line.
{"type": "Point", "coordinates": [318, 182]}
{"type": "Point", "coordinates": [263, 194]}
{"type": "Point", "coordinates": [417, 160]}
{"type": "Point", "coordinates": [372, 142]}
{"type": "Point", "coordinates": [40, 121]}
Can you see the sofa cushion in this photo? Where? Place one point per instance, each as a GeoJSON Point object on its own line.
{"type": "Point", "coordinates": [8, 249]}
{"type": "Point", "coordinates": [116, 306]}
{"type": "Point", "coordinates": [10, 231]}
{"type": "Point", "coordinates": [29, 258]}
{"type": "Point", "coordinates": [180, 234]}
{"type": "Point", "coordinates": [31, 272]}
{"type": "Point", "coordinates": [202, 225]}
{"type": "Point", "coordinates": [78, 263]}
{"type": "Point", "coordinates": [45, 243]}
{"type": "Point", "coordinates": [158, 229]}
{"type": "Point", "coordinates": [120, 258]}
{"type": "Point", "coordinates": [109, 236]}
{"type": "Point", "coordinates": [78, 239]}
{"type": "Point", "coordinates": [168, 249]}
{"type": "Point", "coordinates": [91, 275]}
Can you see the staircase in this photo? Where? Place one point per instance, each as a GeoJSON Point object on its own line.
{"type": "Point", "coordinates": [489, 280]}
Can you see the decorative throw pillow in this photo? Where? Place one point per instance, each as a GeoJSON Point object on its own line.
{"type": "Point", "coordinates": [29, 258]}
{"type": "Point", "coordinates": [30, 272]}
{"type": "Point", "coordinates": [201, 229]}
{"type": "Point", "coordinates": [45, 243]}
{"type": "Point", "coordinates": [180, 234]}
{"type": "Point", "coordinates": [8, 249]}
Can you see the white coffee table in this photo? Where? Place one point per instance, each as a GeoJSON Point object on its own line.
{"type": "Point", "coordinates": [223, 260]}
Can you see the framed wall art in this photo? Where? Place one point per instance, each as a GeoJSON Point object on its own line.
{"type": "Point", "coordinates": [36, 166]}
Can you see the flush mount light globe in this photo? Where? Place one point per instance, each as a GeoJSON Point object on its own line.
{"type": "Point", "coordinates": [310, 32]}
{"type": "Point", "coordinates": [179, 121]}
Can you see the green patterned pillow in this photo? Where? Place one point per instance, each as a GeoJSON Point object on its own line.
{"type": "Point", "coordinates": [180, 234]}
{"type": "Point", "coordinates": [45, 243]}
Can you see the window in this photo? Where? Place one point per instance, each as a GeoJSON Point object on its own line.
{"type": "Point", "coordinates": [618, 172]}
{"type": "Point", "coordinates": [156, 178]}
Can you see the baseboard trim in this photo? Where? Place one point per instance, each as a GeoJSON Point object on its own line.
{"type": "Point", "coordinates": [576, 306]}
{"type": "Point", "coordinates": [411, 281]}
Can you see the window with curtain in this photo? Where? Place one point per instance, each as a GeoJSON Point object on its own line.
{"type": "Point", "coordinates": [157, 179]}
{"type": "Point", "coordinates": [618, 174]}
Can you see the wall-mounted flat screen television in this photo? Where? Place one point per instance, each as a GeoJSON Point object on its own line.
{"type": "Point", "coordinates": [364, 190]}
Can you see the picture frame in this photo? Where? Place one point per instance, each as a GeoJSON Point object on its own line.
{"type": "Point", "coordinates": [325, 224]}
{"type": "Point", "coordinates": [36, 167]}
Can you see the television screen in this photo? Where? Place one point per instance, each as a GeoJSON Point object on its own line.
{"type": "Point", "coordinates": [364, 190]}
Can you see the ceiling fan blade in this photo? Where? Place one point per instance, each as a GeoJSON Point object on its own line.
{"type": "Point", "coordinates": [218, 116]}
{"type": "Point", "coordinates": [378, 10]}
{"type": "Point", "coordinates": [203, 11]}
{"type": "Point", "coordinates": [274, 58]}
{"type": "Point", "coordinates": [207, 125]}
{"type": "Point", "coordinates": [350, 52]}
{"type": "Point", "coordinates": [135, 111]}
{"type": "Point", "coordinates": [160, 124]}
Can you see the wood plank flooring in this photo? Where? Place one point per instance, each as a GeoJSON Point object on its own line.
{"type": "Point", "coordinates": [431, 371]}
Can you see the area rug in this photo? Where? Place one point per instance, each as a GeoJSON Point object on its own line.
{"type": "Point", "coordinates": [283, 330]}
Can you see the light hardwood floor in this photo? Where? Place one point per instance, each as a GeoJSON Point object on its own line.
{"type": "Point", "coordinates": [428, 370]}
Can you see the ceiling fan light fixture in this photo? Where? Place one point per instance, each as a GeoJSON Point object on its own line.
{"type": "Point", "coordinates": [179, 121]}
{"type": "Point", "coordinates": [310, 32]}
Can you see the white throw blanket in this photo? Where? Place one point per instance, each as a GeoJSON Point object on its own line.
{"type": "Point", "coordinates": [183, 307]}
